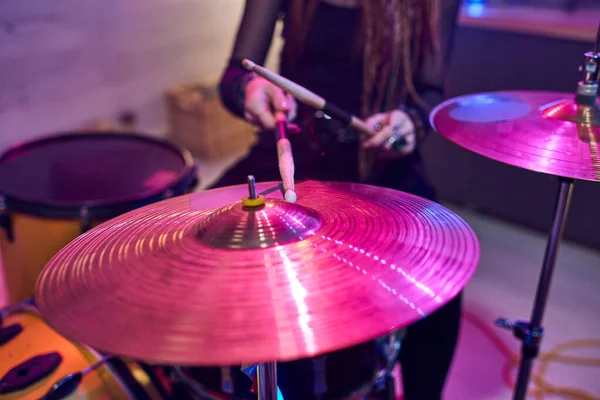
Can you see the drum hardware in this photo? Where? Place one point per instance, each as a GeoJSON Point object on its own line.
{"type": "Point", "coordinates": [530, 332]}
{"type": "Point", "coordinates": [390, 350]}
{"type": "Point", "coordinates": [266, 372]}
{"type": "Point", "coordinates": [9, 332]}
{"type": "Point", "coordinates": [29, 372]}
{"type": "Point", "coordinates": [68, 385]}
{"type": "Point", "coordinates": [32, 377]}
{"type": "Point", "coordinates": [278, 187]}
{"type": "Point", "coordinates": [267, 380]}
{"type": "Point", "coordinates": [561, 140]}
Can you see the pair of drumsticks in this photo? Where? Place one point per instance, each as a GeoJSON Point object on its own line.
{"type": "Point", "coordinates": [305, 96]}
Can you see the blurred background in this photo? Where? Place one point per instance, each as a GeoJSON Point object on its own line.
{"type": "Point", "coordinates": [153, 65]}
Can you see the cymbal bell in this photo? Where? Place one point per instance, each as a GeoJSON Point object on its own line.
{"type": "Point", "coordinates": [540, 131]}
{"type": "Point", "coordinates": [202, 280]}
{"type": "Point", "coordinates": [275, 223]}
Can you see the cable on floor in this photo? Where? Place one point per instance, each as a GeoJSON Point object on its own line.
{"type": "Point", "coordinates": [555, 355]}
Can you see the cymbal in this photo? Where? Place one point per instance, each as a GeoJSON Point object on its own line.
{"type": "Point", "coordinates": [540, 131]}
{"type": "Point", "coordinates": [200, 280]}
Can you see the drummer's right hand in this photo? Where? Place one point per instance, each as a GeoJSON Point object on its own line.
{"type": "Point", "coordinates": [263, 100]}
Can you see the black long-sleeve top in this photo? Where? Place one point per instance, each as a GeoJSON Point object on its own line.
{"type": "Point", "coordinates": [327, 65]}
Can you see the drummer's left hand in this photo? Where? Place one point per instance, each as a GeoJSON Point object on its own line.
{"type": "Point", "coordinates": [395, 134]}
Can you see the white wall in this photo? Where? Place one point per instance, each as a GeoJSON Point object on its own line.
{"type": "Point", "coordinates": [66, 63]}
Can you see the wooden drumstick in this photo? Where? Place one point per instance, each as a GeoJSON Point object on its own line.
{"type": "Point", "coordinates": [309, 98]}
{"type": "Point", "coordinates": [285, 158]}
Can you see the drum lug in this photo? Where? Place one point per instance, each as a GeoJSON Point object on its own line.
{"type": "Point", "coordinates": [86, 224]}
{"type": "Point", "coordinates": [29, 372]}
{"type": "Point", "coordinates": [6, 220]}
{"type": "Point", "coordinates": [9, 333]}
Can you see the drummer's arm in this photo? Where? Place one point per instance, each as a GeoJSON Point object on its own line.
{"type": "Point", "coordinates": [430, 78]}
{"type": "Point", "coordinates": [253, 40]}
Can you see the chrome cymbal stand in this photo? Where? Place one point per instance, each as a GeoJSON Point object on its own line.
{"type": "Point", "coordinates": [531, 332]}
{"type": "Point", "coordinates": [267, 381]}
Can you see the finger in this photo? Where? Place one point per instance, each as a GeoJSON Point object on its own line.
{"type": "Point", "coordinates": [379, 138]}
{"type": "Point", "coordinates": [293, 111]}
{"type": "Point", "coordinates": [265, 119]}
{"type": "Point", "coordinates": [278, 99]}
{"type": "Point", "coordinates": [249, 117]}
{"type": "Point", "coordinates": [398, 117]}
{"type": "Point", "coordinates": [377, 122]}
{"type": "Point", "coordinates": [257, 107]}
{"type": "Point", "coordinates": [405, 127]}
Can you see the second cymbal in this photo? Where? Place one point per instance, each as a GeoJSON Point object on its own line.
{"type": "Point", "coordinates": [539, 131]}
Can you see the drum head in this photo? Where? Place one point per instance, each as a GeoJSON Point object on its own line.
{"type": "Point", "coordinates": [92, 169]}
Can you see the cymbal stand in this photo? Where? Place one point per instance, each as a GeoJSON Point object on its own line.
{"type": "Point", "coordinates": [267, 381]}
{"type": "Point", "coordinates": [531, 332]}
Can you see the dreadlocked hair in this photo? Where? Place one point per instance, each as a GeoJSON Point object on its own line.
{"type": "Point", "coordinates": [394, 34]}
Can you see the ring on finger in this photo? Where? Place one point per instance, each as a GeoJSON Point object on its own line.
{"type": "Point", "coordinates": [397, 141]}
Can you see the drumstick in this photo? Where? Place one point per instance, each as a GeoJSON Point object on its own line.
{"type": "Point", "coordinates": [285, 158]}
{"type": "Point", "coordinates": [309, 98]}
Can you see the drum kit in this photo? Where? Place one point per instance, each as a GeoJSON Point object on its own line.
{"type": "Point", "coordinates": [255, 274]}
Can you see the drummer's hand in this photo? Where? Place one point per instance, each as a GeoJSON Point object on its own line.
{"type": "Point", "coordinates": [263, 100]}
{"type": "Point", "coordinates": [395, 134]}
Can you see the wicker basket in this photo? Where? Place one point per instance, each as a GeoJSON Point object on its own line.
{"type": "Point", "coordinates": [199, 122]}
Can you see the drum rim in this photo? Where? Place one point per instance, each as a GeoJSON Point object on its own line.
{"type": "Point", "coordinates": [99, 209]}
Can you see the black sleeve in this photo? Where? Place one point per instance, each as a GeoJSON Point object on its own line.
{"type": "Point", "coordinates": [253, 41]}
{"type": "Point", "coordinates": [430, 78]}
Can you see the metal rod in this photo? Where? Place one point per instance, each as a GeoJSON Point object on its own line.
{"type": "Point", "coordinates": [532, 338]}
{"type": "Point", "coordinates": [252, 187]}
{"type": "Point", "coordinates": [267, 381]}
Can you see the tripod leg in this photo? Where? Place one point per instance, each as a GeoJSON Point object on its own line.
{"type": "Point", "coordinates": [530, 332]}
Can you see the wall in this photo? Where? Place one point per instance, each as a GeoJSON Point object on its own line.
{"type": "Point", "coordinates": [67, 63]}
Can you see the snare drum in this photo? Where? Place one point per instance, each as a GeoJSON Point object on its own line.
{"type": "Point", "coordinates": [34, 357]}
{"type": "Point", "coordinates": [55, 188]}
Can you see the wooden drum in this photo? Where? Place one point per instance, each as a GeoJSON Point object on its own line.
{"type": "Point", "coordinates": [54, 189]}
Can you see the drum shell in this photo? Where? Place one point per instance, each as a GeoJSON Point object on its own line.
{"type": "Point", "coordinates": [32, 233]}
{"type": "Point", "coordinates": [38, 338]}
{"type": "Point", "coordinates": [34, 241]}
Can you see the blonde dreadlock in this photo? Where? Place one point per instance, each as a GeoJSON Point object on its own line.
{"type": "Point", "coordinates": [394, 33]}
